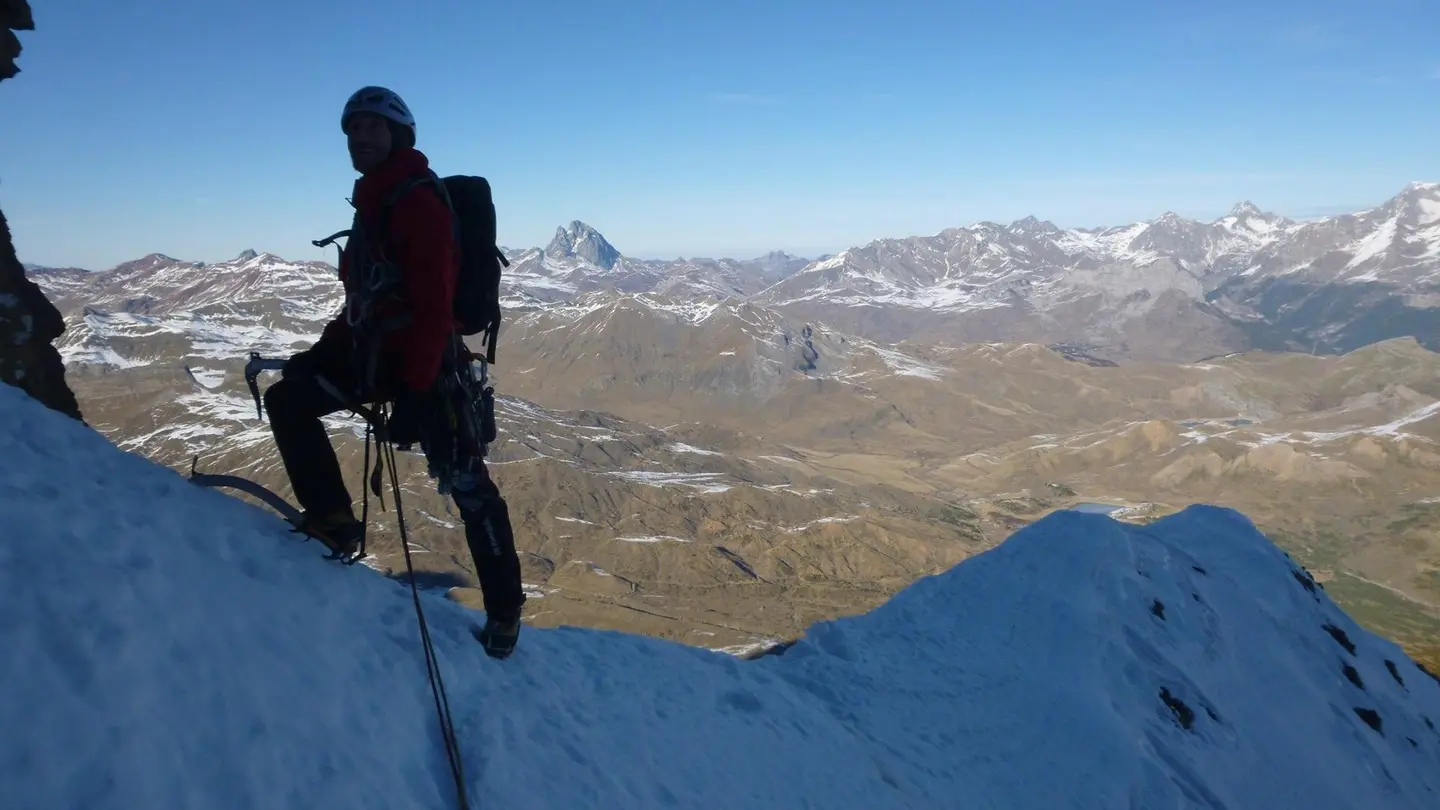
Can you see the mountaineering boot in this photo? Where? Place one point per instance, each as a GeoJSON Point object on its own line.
{"type": "Point", "coordinates": [500, 633]}
{"type": "Point", "coordinates": [339, 531]}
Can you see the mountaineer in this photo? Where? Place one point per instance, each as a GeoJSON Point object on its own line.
{"type": "Point", "coordinates": [399, 339]}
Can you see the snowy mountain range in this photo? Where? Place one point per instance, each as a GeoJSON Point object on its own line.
{"type": "Point", "coordinates": [716, 400]}
{"type": "Point", "coordinates": [157, 309]}
{"type": "Point", "coordinates": [1166, 289]}
{"type": "Point", "coordinates": [1082, 663]}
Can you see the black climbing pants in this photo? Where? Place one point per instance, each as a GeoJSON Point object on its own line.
{"type": "Point", "coordinates": [296, 405]}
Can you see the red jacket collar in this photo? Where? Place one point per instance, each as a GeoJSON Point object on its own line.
{"type": "Point", "coordinates": [373, 186]}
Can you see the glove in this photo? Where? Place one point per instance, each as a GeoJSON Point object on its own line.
{"type": "Point", "coordinates": [407, 420]}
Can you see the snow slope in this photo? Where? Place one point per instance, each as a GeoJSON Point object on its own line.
{"type": "Point", "coordinates": [174, 647]}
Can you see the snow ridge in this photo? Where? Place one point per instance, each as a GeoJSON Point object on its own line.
{"type": "Point", "coordinates": [1082, 662]}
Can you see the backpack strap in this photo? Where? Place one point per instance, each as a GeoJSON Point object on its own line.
{"type": "Point", "coordinates": [431, 178]}
{"type": "Point", "coordinates": [404, 188]}
{"type": "Point", "coordinates": [390, 199]}
{"type": "Point", "coordinates": [393, 197]}
{"type": "Point", "coordinates": [493, 331]}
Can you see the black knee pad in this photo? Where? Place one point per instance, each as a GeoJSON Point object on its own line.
{"type": "Point", "coordinates": [487, 523]}
{"type": "Point", "coordinates": [479, 502]}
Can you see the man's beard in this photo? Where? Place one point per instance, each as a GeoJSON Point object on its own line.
{"type": "Point", "coordinates": [365, 159]}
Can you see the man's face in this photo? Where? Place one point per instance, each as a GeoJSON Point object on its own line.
{"type": "Point", "coordinates": [369, 141]}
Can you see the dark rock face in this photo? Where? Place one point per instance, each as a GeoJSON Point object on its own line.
{"type": "Point", "coordinates": [29, 323]}
{"type": "Point", "coordinates": [14, 16]}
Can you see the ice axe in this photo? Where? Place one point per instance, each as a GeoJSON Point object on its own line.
{"type": "Point", "coordinates": [253, 368]}
{"type": "Point", "coordinates": [258, 364]}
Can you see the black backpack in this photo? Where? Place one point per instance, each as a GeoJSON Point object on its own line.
{"type": "Point", "coordinates": [477, 289]}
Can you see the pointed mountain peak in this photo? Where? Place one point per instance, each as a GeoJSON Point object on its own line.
{"type": "Point", "coordinates": [1032, 225]}
{"type": "Point", "coordinates": [1249, 216]}
{"type": "Point", "coordinates": [247, 255]}
{"type": "Point", "coordinates": [779, 261]}
{"type": "Point", "coordinates": [1246, 209]}
{"type": "Point", "coordinates": [582, 241]}
{"type": "Point", "coordinates": [1415, 204]}
{"type": "Point", "coordinates": [1414, 192]}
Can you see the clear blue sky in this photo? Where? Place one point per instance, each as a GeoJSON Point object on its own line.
{"type": "Point", "coordinates": [199, 129]}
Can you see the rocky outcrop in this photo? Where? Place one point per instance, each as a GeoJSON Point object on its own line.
{"type": "Point", "coordinates": [14, 16]}
{"type": "Point", "coordinates": [29, 323]}
{"type": "Point", "coordinates": [585, 242]}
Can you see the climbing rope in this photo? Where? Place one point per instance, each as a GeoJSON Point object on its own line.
{"type": "Point", "coordinates": [437, 686]}
{"type": "Point", "coordinates": [376, 423]}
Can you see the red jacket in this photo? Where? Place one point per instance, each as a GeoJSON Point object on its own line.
{"type": "Point", "coordinates": [419, 239]}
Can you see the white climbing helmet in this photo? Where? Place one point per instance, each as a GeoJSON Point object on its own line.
{"type": "Point", "coordinates": [382, 102]}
